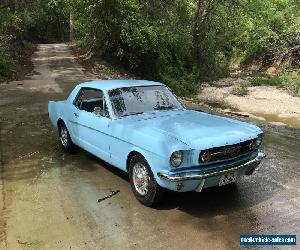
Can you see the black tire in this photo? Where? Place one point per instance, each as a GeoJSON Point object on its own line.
{"type": "Point", "coordinates": [65, 139]}
{"type": "Point", "coordinates": [155, 192]}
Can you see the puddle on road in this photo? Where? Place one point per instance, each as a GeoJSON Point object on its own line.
{"type": "Point", "coordinates": [293, 122]}
{"type": "Point", "coordinates": [25, 151]}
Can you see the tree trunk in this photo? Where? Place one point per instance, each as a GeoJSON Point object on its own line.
{"type": "Point", "coordinates": [71, 26]}
{"type": "Point", "coordinates": [196, 33]}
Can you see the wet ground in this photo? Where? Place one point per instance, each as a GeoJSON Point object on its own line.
{"type": "Point", "coordinates": [49, 200]}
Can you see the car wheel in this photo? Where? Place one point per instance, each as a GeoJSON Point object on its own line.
{"type": "Point", "coordinates": [65, 139]}
{"type": "Point", "coordinates": [143, 183]}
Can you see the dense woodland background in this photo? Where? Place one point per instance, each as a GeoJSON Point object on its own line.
{"type": "Point", "coordinates": [179, 42]}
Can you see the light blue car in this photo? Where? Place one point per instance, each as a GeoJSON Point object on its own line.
{"type": "Point", "coordinates": [142, 128]}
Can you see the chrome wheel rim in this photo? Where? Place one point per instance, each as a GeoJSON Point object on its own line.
{"type": "Point", "coordinates": [141, 179]}
{"type": "Point", "coordinates": [64, 136]}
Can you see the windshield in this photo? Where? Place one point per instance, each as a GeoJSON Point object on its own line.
{"type": "Point", "coordinates": [142, 99]}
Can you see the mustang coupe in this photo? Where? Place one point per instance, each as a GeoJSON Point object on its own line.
{"type": "Point", "coordinates": [142, 128]}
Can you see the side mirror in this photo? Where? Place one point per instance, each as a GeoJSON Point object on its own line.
{"type": "Point", "coordinates": [100, 112]}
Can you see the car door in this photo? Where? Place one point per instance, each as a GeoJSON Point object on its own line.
{"type": "Point", "coordinates": [91, 122]}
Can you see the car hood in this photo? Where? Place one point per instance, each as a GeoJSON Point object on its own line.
{"type": "Point", "coordinates": [198, 130]}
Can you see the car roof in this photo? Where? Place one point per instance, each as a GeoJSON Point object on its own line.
{"type": "Point", "coordinates": [113, 84]}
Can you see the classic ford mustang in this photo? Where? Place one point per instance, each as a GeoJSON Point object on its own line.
{"type": "Point", "coordinates": [142, 128]}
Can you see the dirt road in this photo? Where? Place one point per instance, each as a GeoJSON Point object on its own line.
{"type": "Point", "coordinates": [49, 200]}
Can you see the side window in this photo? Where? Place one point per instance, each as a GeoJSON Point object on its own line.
{"type": "Point", "coordinates": [92, 100]}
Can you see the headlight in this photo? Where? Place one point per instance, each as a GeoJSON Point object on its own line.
{"type": "Point", "coordinates": [205, 156]}
{"type": "Point", "coordinates": [176, 158]}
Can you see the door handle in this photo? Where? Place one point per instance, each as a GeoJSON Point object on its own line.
{"type": "Point", "coordinates": [76, 115]}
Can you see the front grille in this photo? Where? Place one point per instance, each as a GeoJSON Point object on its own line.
{"type": "Point", "coordinates": [229, 152]}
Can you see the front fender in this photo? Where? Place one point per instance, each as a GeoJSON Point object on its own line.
{"type": "Point", "coordinates": [153, 141]}
{"type": "Point", "coordinates": [154, 145]}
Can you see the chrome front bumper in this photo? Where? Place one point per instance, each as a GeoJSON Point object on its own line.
{"type": "Point", "coordinates": [184, 176]}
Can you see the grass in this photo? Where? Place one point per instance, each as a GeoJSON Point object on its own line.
{"type": "Point", "coordinates": [241, 90]}
{"type": "Point", "coordinates": [289, 81]}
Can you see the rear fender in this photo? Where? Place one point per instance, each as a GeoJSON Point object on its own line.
{"type": "Point", "coordinates": [52, 111]}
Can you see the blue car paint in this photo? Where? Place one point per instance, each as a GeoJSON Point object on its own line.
{"type": "Point", "coordinates": [155, 135]}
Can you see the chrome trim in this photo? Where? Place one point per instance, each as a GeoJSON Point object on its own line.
{"type": "Point", "coordinates": [200, 186]}
{"type": "Point", "coordinates": [205, 164]}
{"type": "Point", "coordinates": [190, 176]}
{"type": "Point", "coordinates": [140, 177]}
{"type": "Point", "coordinates": [224, 160]}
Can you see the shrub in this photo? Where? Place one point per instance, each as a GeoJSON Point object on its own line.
{"type": "Point", "coordinates": [241, 90]}
{"type": "Point", "coordinates": [259, 81]}
{"type": "Point", "coordinates": [289, 81]}
{"type": "Point", "coordinates": [7, 65]}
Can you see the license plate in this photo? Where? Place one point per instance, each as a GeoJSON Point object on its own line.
{"type": "Point", "coordinates": [227, 178]}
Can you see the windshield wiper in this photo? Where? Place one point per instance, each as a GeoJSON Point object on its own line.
{"type": "Point", "coordinates": [132, 113]}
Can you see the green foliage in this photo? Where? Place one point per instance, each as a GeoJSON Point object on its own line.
{"type": "Point", "coordinates": [143, 37]}
{"type": "Point", "coordinates": [185, 84]}
{"type": "Point", "coordinates": [269, 27]}
{"type": "Point", "coordinates": [39, 20]}
{"type": "Point", "coordinates": [290, 81]}
{"type": "Point", "coordinates": [241, 89]}
{"type": "Point", "coordinates": [157, 38]}
{"type": "Point", "coordinates": [260, 81]}
{"type": "Point", "coordinates": [180, 42]}
{"type": "Point", "coordinates": [7, 65]}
